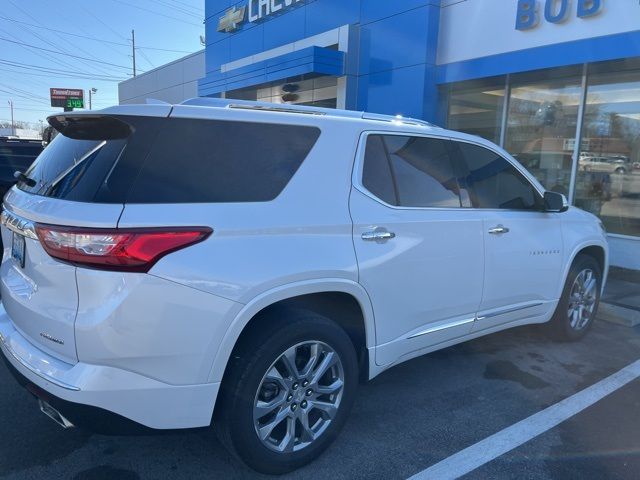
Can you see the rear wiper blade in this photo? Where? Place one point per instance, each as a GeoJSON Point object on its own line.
{"type": "Point", "coordinates": [30, 182]}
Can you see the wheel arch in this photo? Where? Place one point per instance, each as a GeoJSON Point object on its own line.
{"type": "Point", "coordinates": [598, 251]}
{"type": "Point", "coordinates": [315, 295]}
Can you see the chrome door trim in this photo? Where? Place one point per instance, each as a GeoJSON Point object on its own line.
{"type": "Point", "coordinates": [457, 323]}
{"type": "Point", "coordinates": [18, 224]}
{"type": "Point", "coordinates": [508, 310]}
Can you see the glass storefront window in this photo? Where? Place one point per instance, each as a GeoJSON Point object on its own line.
{"type": "Point", "coordinates": [608, 178]}
{"type": "Point", "coordinates": [476, 108]}
{"type": "Point", "coordinates": [542, 124]}
{"type": "Point", "coordinates": [316, 91]}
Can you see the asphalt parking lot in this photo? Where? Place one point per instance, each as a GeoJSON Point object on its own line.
{"type": "Point", "coordinates": [404, 421]}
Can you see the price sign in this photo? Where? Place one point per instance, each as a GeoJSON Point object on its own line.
{"type": "Point", "coordinates": [67, 97]}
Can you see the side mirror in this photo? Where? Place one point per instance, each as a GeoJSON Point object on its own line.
{"type": "Point", "coordinates": [555, 202]}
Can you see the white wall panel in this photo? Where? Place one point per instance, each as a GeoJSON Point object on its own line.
{"type": "Point", "coordinates": [479, 28]}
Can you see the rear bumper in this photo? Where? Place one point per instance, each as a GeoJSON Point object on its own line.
{"type": "Point", "coordinates": [74, 389]}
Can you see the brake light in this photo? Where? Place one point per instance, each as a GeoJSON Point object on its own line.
{"type": "Point", "coordinates": [131, 250]}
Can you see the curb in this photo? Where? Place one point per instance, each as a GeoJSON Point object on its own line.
{"type": "Point", "coordinates": [626, 317]}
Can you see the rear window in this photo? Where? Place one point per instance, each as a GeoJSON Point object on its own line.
{"type": "Point", "coordinates": [168, 160]}
{"type": "Point", "coordinates": [213, 161]}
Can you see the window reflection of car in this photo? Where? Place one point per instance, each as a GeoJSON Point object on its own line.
{"type": "Point", "coordinates": [604, 164]}
{"type": "Point", "coordinates": [594, 185]}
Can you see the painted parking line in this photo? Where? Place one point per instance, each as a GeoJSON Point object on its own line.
{"type": "Point", "coordinates": [512, 437]}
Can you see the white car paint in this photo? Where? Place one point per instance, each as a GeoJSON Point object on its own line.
{"type": "Point", "coordinates": [153, 347]}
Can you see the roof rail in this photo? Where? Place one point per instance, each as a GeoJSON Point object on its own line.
{"type": "Point", "coordinates": [301, 109]}
{"type": "Point", "coordinates": [396, 119]}
{"type": "Point", "coordinates": [274, 107]}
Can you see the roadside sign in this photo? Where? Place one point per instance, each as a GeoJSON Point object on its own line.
{"type": "Point", "coordinates": [67, 97]}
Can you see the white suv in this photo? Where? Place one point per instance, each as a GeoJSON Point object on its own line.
{"type": "Point", "coordinates": [243, 265]}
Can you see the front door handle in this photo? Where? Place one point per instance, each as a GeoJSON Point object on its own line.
{"type": "Point", "coordinates": [378, 235]}
{"type": "Point", "coordinates": [498, 230]}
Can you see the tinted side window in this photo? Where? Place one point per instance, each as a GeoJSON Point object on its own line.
{"type": "Point", "coordinates": [221, 161]}
{"type": "Point", "coordinates": [93, 159]}
{"type": "Point", "coordinates": [376, 174]}
{"type": "Point", "coordinates": [423, 172]}
{"type": "Point", "coordinates": [72, 169]}
{"type": "Point", "coordinates": [493, 182]}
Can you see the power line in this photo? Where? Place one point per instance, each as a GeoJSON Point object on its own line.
{"type": "Point", "coordinates": [61, 75]}
{"type": "Point", "coordinates": [176, 8]}
{"type": "Point", "coordinates": [39, 54]}
{"type": "Point", "coordinates": [62, 53]}
{"type": "Point", "coordinates": [34, 109]}
{"type": "Point", "coordinates": [13, 94]}
{"type": "Point", "coordinates": [87, 37]}
{"type": "Point", "coordinates": [34, 96]}
{"type": "Point", "coordinates": [197, 9]}
{"type": "Point", "coordinates": [117, 34]}
{"type": "Point", "coordinates": [54, 71]}
{"type": "Point", "coordinates": [158, 13]}
{"type": "Point", "coordinates": [144, 55]}
{"type": "Point", "coordinates": [54, 45]}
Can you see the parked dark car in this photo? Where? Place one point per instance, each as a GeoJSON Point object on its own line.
{"type": "Point", "coordinates": [15, 155]}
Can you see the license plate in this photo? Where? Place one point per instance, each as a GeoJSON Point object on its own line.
{"type": "Point", "coordinates": [17, 248]}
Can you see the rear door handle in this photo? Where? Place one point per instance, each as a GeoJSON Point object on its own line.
{"type": "Point", "coordinates": [378, 235]}
{"type": "Point", "coordinates": [498, 230]}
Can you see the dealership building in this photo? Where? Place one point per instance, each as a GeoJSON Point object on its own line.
{"type": "Point", "coordinates": [555, 82]}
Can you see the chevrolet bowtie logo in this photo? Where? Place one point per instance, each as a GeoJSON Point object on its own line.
{"type": "Point", "coordinates": [231, 19]}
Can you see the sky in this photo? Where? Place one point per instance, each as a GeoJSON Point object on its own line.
{"type": "Point", "coordinates": [86, 44]}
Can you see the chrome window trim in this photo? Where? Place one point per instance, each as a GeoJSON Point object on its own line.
{"type": "Point", "coordinates": [18, 224]}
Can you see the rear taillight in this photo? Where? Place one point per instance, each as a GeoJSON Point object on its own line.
{"type": "Point", "coordinates": [131, 250]}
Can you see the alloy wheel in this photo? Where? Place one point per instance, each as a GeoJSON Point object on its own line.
{"type": "Point", "coordinates": [582, 299]}
{"type": "Point", "coordinates": [298, 397]}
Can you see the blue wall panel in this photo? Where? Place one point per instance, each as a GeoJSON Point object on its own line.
{"type": "Point", "coordinates": [408, 47]}
{"type": "Point", "coordinates": [391, 51]}
{"type": "Point", "coordinates": [312, 59]}
{"type": "Point", "coordinates": [324, 15]}
{"type": "Point", "coordinates": [393, 92]}
{"type": "Point", "coordinates": [282, 29]}
{"type": "Point", "coordinates": [373, 10]}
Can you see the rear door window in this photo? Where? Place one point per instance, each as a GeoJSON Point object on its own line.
{"type": "Point", "coordinates": [410, 171]}
{"type": "Point", "coordinates": [212, 161]}
{"type": "Point", "coordinates": [376, 171]}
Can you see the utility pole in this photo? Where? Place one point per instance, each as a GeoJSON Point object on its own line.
{"type": "Point", "coordinates": [133, 49]}
{"type": "Point", "coordinates": [13, 125]}
{"type": "Point", "coordinates": [92, 91]}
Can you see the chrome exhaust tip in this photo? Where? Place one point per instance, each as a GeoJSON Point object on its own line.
{"type": "Point", "coordinates": [54, 414]}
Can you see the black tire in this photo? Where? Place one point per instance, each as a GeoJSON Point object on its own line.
{"type": "Point", "coordinates": [621, 170]}
{"type": "Point", "coordinates": [560, 327]}
{"type": "Point", "coordinates": [252, 358]}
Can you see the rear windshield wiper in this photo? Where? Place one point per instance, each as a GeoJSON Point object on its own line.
{"type": "Point", "coordinates": [30, 182]}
